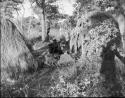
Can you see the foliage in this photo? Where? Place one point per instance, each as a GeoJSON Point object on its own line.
{"type": "Point", "coordinates": [52, 83]}
{"type": "Point", "coordinates": [60, 75]}
{"type": "Point", "coordinates": [7, 8]}
{"type": "Point", "coordinates": [31, 28]}
{"type": "Point", "coordinates": [83, 85]}
{"type": "Point", "coordinates": [84, 6]}
{"type": "Point", "coordinates": [63, 89]}
{"type": "Point", "coordinates": [46, 11]}
{"type": "Point", "coordinates": [51, 11]}
{"type": "Point", "coordinates": [27, 85]}
{"type": "Point", "coordinates": [91, 40]}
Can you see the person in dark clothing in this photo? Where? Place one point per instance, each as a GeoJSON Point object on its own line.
{"type": "Point", "coordinates": [54, 48]}
{"type": "Point", "coordinates": [108, 64]}
{"type": "Point", "coordinates": [108, 68]}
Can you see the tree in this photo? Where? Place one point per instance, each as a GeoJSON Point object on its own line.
{"type": "Point", "coordinates": [42, 6]}
{"type": "Point", "coordinates": [47, 11]}
{"type": "Point", "coordinates": [116, 8]}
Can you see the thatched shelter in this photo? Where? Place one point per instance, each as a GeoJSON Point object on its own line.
{"type": "Point", "coordinates": [15, 56]}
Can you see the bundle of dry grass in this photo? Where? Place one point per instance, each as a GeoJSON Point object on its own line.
{"type": "Point", "coordinates": [15, 56]}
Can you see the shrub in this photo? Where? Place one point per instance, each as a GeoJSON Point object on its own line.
{"type": "Point", "coordinates": [63, 89]}
{"type": "Point", "coordinates": [91, 33]}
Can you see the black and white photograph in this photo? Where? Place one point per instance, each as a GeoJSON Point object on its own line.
{"type": "Point", "coordinates": [62, 48]}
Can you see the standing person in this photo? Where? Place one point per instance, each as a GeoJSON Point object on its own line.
{"type": "Point", "coordinates": [108, 68]}
{"type": "Point", "coordinates": [108, 60]}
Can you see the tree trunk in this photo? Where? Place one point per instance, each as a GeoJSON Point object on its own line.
{"type": "Point", "coordinates": [120, 18]}
{"type": "Point", "coordinates": [121, 22]}
{"type": "Point", "coordinates": [47, 32]}
{"type": "Point", "coordinates": [41, 4]}
{"type": "Point", "coordinates": [43, 24]}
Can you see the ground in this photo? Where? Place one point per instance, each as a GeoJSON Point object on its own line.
{"type": "Point", "coordinates": [68, 79]}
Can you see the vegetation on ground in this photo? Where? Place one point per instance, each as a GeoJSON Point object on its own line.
{"type": "Point", "coordinates": [80, 56]}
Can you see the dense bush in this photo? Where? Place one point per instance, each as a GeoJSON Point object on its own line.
{"type": "Point", "coordinates": [92, 34]}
